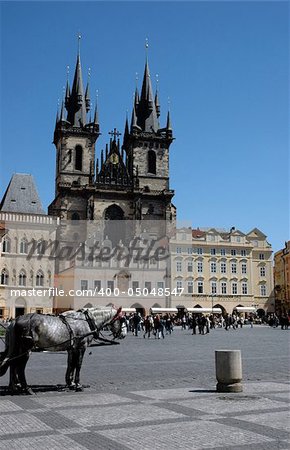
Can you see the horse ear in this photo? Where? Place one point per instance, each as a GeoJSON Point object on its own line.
{"type": "Point", "coordinates": [119, 311]}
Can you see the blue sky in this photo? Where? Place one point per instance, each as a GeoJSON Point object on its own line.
{"type": "Point", "coordinates": [224, 66]}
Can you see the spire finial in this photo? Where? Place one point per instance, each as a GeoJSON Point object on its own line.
{"type": "Point", "coordinates": [79, 42]}
{"type": "Point", "coordinates": [168, 103]}
{"type": "Point", "coordinates": [146, 48]}
{"type": "Point", "coordinates": [67, 73]}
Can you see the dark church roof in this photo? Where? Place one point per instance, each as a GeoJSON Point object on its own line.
{"type": "Point", "coordinates": [21, 196]}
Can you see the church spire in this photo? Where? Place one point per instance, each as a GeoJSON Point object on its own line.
{"type": "Point", "coordinates": [146, 112]}
{"type": "Point", "coordinates": [77, 101]}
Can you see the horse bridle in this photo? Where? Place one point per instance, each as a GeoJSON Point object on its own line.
{"type": "Point", "coordinates": [95, 331]}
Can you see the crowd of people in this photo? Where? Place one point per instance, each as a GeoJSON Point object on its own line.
{"type": "Point", "coordinates": [158, 325]}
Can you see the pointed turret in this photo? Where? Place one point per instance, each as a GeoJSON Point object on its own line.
{"type": "Point", "coordinates": [67, 94]}
{"type": "Point", "coordinates": [77, 101]}
{"type": "Point", "coordinates": [168, 125]}
{"type": "Point", "coordinates": [87, 98]}
{"type": "Point", "coordinates": [133, 119]}
{"type": "Point", "coordinates": [157, 104]}
{"type": "Point", "coordinates": [62, 113]}
{"type": "Point", "coordinates": [136, 97]}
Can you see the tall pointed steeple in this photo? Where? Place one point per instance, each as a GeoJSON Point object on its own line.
{"type": "Point", "coordinates": [146, 113]}
{"type": "Point", "coordinates": [77, 102]}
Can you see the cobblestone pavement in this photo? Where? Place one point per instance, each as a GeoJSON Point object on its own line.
{"type": "Point", "coordinates": [156, 394]}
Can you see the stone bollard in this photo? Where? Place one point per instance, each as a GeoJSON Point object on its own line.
{"type": "Point", "coordinates": [228, 364]}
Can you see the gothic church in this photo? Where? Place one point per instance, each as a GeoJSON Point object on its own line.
{"type": "Point", "coordinates": [130, 180]}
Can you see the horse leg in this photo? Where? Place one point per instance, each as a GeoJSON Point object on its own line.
{"type": "Point", "coordinates": [70, 369]}
{"type": "Point", "coordinates": [14, 385]}
{"type": "Point", "coordinates": [79, 359]}
{"type": "Point", "coordinates": [20, 372]}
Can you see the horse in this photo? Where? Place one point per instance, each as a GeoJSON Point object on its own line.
{"type": "Point", "coordinates": [72, 331]}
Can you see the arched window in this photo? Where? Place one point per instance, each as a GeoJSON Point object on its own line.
{"type": "Point", "coordinates": [6, 245]}
{"type": "Point", "coordinates": [39, 278]}
{"type": "Point", "coordinates": [152, 162]}
{"type": "Point", "coordinates": [79, 158]}
{"type": "Point", "coordinates": [4, 277]}
{"type": "Point", "coordinates": [23, 246]}
{"type": "Point", "coordinates": [22, 278]}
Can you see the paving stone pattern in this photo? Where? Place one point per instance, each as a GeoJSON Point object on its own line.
{"type": "Point", "coordinates": [190, 415]}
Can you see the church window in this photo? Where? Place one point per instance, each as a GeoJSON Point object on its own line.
{"type": "Point", "coordinates": [79, 158]}
{"type": "Point", "coordinates": [152, 162]}
{"type": "Point", "coordinates": [4, 277]}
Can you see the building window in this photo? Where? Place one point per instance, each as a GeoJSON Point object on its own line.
{"type": "Point", "coordinates": [213, 287]}
{"type": "Point", "coordinates": [79, 158]}
{"type": "Point", "coordinates": [152, 162]}
{"type": "Point", "coordinates": [224, 287]}
{"type": "Point", "coordinates": [243, 252]}
{"type": "Point", "coordinates": [223, 251]}
{"type": "Point", "coordinates": [110, 285]}
{"type": "Point", "coordinates": [84, 285]}
{"type": "Point", "coordinates": [234, 288]}
{"type": "Point", "coordinates": [261, 256]}
{"type": "Point", "coordinates": [190, 250]}
{"type": "Point", "coordinates": [179, 284]}
{"type": "Point", "coordinates": [213, 267]}
{"type": "Point", "coordinates": [233, 252]}
{"type": "Point", "coordinates": [234, 267]}
{"type": "Point", "coordinates": [190, 287]}
{"type": "Point", "coordinates": [263, 290]}
{"type": "Point", "coordinates": [223, 267]}
{"type": "Point", "coordinates": [200, 287]}
{"type": "Point", "coordinates": [22, 278]}
{"type": "Point", "coordinates": [24, 247]}
{"type": "Point", "coordinates": [199, 267]}
{"type": "Point", "coordinates": [244, 268]}
{"type": "Point", "coordinates": [244, 288]}
{"type": "Point", "coordinates": [262, 271]}
{"type": "Point", "coordinates": [160, 284]}
{"type": "Point", "coordinates": [178, 249]}
{"type": "Point", "coordinates": [4, 277]}
{"type": "Point", "coordinates": [39, 278]}
{"type": "Point", "coordinates": [97, 285]}
{"type": "Point", "coordinates": [199, 251]}
{"type": "Point", "coordinates": [135, 285]}
{"type": "Point", "coordinates": [178, 266]}
{"type": "Point", "coordinates": [148, 285]}
{"type": "Point", "coordinates": [189, 266]}
{"type": "Point", "coordinates": [212, 251]}
{"type": "Point", "coordinates": [6, 245]}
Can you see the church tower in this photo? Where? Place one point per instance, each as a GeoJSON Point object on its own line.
{"type": "Point", "coordinates": [74, 139]}
{"type": "Point", "coordinates": [147, 149]}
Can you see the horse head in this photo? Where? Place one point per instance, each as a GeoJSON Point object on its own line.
{"type": "Point", "coordinates": [118, 325]}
